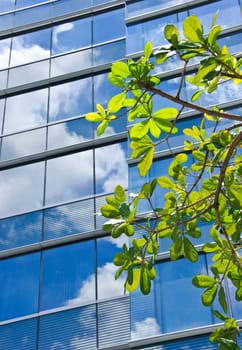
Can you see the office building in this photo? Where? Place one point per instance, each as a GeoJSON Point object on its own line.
{"type": "Point", "coordinates": [56, 273]}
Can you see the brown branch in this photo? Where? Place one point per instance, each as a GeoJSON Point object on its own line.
{"type": "Point", "coordinates": [185, 103]}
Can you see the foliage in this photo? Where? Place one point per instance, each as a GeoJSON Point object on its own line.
{"type": "Point", "coordinates": [207, 191]}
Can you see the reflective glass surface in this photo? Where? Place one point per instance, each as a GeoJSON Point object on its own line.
{"type": "Point", "coordinates": [108, 53]}
{"type": "Point", "coordinates": [111, 167]}
{"type": "Point", "coordinates": [69, 100]}
{"type": "Point", "coordinates": [28, 73]}
{"type": "Point", "coordinates": [20, 114]}
{"type": "Point", "coordinates": [174, 304]}
{"type": "Point", "coordinates": [68, 275]}
{"type": "Point", "coordinates": [143, 6]}
{"type": "Point", "coordinates": [69, 133]}
{"type": "Point", "coordinates": [23, 272]}
{"type": "Point", "coordinates": [4, 53]}
{"type": "Point", "coordinates": [107, 247]}
{"type": "Point", "coordinates": [69, 219]}
{"type": "Point", "coordinates": [20, 230]}
{"type": "Point", "coordinates": [108, 25]}
{"type": "Point", "coordinates": [71, 35]}
{"type": "Point", "coordinates": [23, 144]}
{"type": "Point", "coordinates": [30, 47]}
{"type": "Point", "coordinates": [23, 3]}
{"type": "Point", "coordinates": [21, 189]}
{"type": "Point", "coordinates": [72, 329]}
{"type": "Point", "coordinates": [6, 5]}
{"type": "Point", "coordinates": [69, 177]}
{"type": "Point", "coordinates": [71, 63]}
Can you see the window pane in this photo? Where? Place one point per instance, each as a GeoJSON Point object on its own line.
{"type": "Point", "coordinates": [70, 99]}
{"type": "Point", "coordinates": [74, 179]}
{"type": "Point", "coordinates": [23, 3]}
{"type": "Point", "coordinates": [68, 275]}
{"type": "Point", "coordinates": [19, 335]}
{"type": "Point", "coordinates": [69, 133]}
{"type": "Point", "coordinates": [21, 189]}
{"type": "Point", "coordinates": [71, 329]}
{"type": "Point", "coordinates": [32, 15]}
{"type": "Point", "coordinates": [67, 6]}
{"type": "Point", "coordinates": [108, 53]}
{"type": "Point", "coordinates": [23, 144]}
{"type": "Point", "coordinates": [30, 47]}
{"type": "Point", "coordinates": [174, 303]}
{"type": "Point", "coordinates": [32, 114]}
{"type": "Point", "coordinates": [109, 170]}
{"type": "Point", "coordinates": [107, 247]}
{"type": "Point", "coordinates": [19, 279]}
{"type": "Point", "coordinates": [108, 26]}
{"type": "Point", "coordinates": [6, 5]}
{"type": "Point", "coordinates": [71, 36]}
{"type": "Point", "coordinates": [28, 73]}
{"type": "Point", "coordinates": [69, 219]}
{"type": "Point", "coordinates": [4, 52]}
{"type": "Point", "coordinates": [20, 230]}
{"type": "Point", "coordinates": [72, 62]}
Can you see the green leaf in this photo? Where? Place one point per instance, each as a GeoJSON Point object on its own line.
{"type": "Point", "coordinates": [176, 249]}
{"type": "Point", "coordinates": [190, 251]}
{"type": "Point", "coordinates": [119, 194]}
{"type": "Point", "coordinates": [166, 113]}
{"type": "Point", "coordinates": [116, 102]}
{"type": "Point", "coordinates": [119, 259]}
{"type": "Point", "coordinates": [203, 281]}
{"type": "Point", "coordinates": [148, 50]}
{"type": "Point", "coordinates": [102, 127]}
{"type": "Point", "coordinates": [109, 211]}
{"type": "Point", "coordinates": [209, 295]}
{"type": "Point", "coordinates": [213, 34]}
{"type": "Point", "coordinates": [94, 117]}
{"type": "Point", "coordinates": [219, 315]}
{"type": "Point", "coordinates": [171, 34]}
{"type": "Point", "coordinates": [116, 80]}
{"type": "Point", "coordinates": [196, 95]}
{"type": "Point", "coordinates": [145, 163]}
{"type": "Point", "coordinates": [121, 69]}
{"type": "Point", "coordinates": [101, 110]}
{"type": "Point", "coordinates": [145, 284]}
{"type": "Point", "coordinates": [238, 294]}
{"type": "Point", "coordinates": [222, 299]}
{"type": "Point", "coordinates": [193, 29]}
{"type": "Point", "coordinates": [124, 210]}
{"type": "Point", "coordinates": [154, 129]}
{"type": "Point", "coordinates": [131, 287]}
{"type": "Point", "coordinates": [139, 130]}
{"type": "Point", "coordinates": [229, 344]}
{"type": "Point", "coordinates": [165, 182]}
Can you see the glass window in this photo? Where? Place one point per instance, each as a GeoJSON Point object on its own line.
{"type": "Point", "coordinates": [4, 52]}
{"type": "Point", "coordinates": [71, 63]}
{"type": "Point", "coordinates": [70, 329]}
{"type": "Point", "coordinates": [162, 311]}
{"type": "Point", "coordinates": [68, 275]}
{"type": "Point", "coordinates": [69, 177]}
{"type": "Point", "coordinates": [108, 26]}
{"type": "Point", "coordinates": [20, 114]}
{"type": "Point", "coordinates": [23, 144]}
{"type": "Point", "coordinates": [20, 230]}
{"type": "Point", "coordinates": [69, 219]}
{"type": "Point", "coordinates": [108, 53]}
{"type": "Point", "coordinates": [21, 189]}
{"type": "Point", "coordinates": [3, 79]}
{"type": "Point", "coordinates": [28, 73]}
{"type": "Point", "coordinates": [19, 278]}
{"type": "Point", "coordinates": [6, 5]}
{"type": "Point", "coordinates": [107, 247]}
{"type": "Point", "coordinates": [33, 14]}
{"type": "Point", "coordinates": [69, 133]}
{"type": "Point", "coordinates": [111, 170]}
{"type": "Point", "coordinates": [70, 100]}
{"type": "Point", "coordinates": [143, 6]}
{"type": "Point", "coordinates": [19, 335]}
{"type": "Point", "coordinates": [71, 35]}
{"type": "Point", "coordinates": [30, 47]}
{"type": "Point", "coordinates": [2, 102]}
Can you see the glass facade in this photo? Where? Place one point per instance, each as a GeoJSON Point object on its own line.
{"type": "Point", "coordinates": [56, 273]}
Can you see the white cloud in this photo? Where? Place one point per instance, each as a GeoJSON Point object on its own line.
{"type": "Point", "coordinates": [107, 286]}
{"type": "Point", "coordinates": [61, 29]}
{"type": "Point", "coordinates": [145, 328]}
